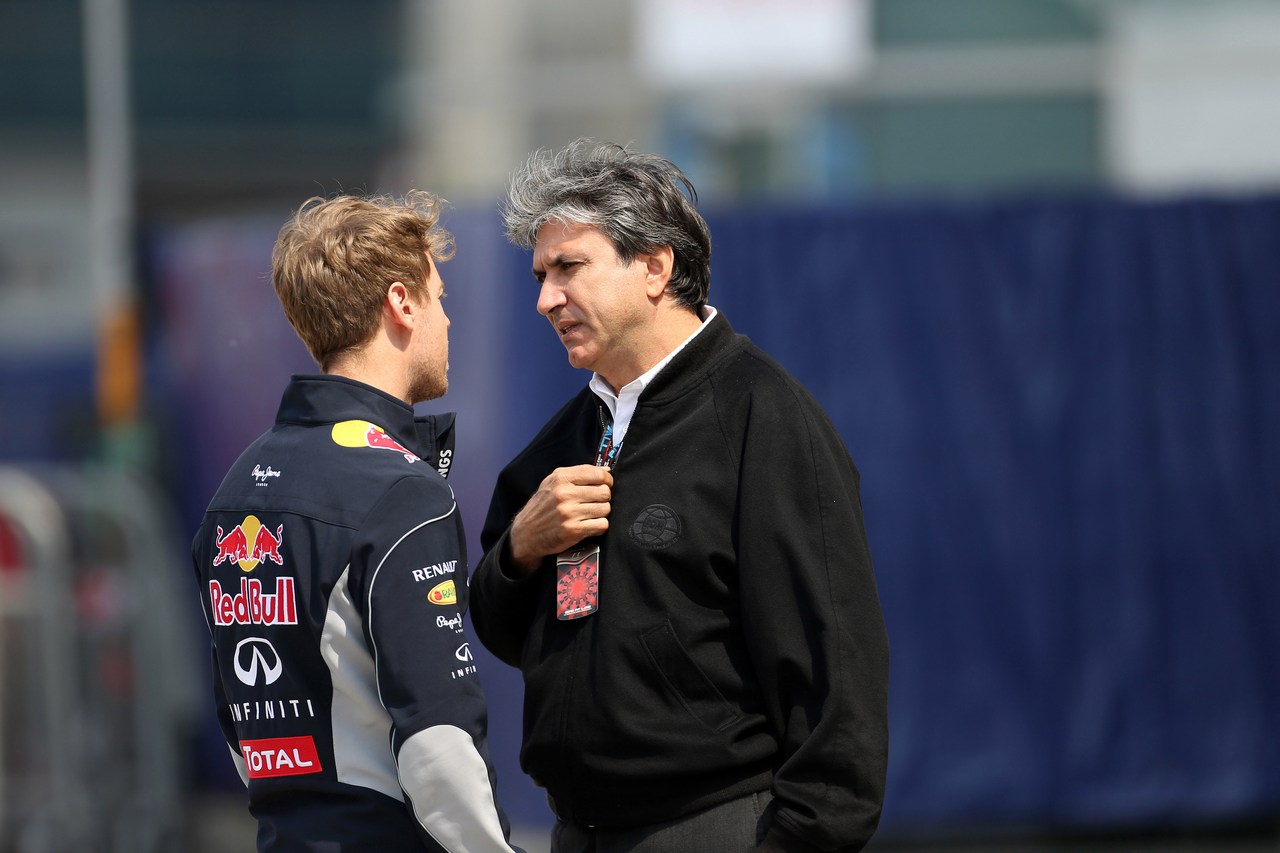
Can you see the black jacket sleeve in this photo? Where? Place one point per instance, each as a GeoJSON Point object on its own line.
{"type": "Point", "coordinates": [503, 606]}
{"type": "Point", "coordinates": [814, 623]}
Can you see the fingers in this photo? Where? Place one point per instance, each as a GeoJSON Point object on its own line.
{"type": "Point", "coordinates": [567, 492]}
{"type": "Point", "coordinates": [570, 505]}
{"type": "Point", "coordinates": [584, 475]}
{"type": "Point", "coordinates": [582, 491]}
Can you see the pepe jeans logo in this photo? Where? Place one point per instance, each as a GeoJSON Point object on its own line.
{"type": "Point", "coordinates": [261, 475]}
{"type": "Point", "coordinates": [656, 527]}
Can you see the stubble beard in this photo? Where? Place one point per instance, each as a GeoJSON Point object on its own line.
{"type": "Point", "coordinates": [430, 383]}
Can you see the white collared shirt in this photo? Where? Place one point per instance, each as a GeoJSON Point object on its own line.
{"type": "Point", "coordinates": [622, 406]}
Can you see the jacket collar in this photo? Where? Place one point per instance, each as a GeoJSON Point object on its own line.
{"type": "Point", "coordinates": [317, 399]}
{"type": "Point", "coordinates": [693, 362]}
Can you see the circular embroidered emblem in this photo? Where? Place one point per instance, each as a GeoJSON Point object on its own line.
{"type": "Point", "coordinates": [656, 526]}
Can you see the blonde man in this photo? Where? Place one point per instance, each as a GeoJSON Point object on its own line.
{"type": "Point", "coordinates": [331, 561]}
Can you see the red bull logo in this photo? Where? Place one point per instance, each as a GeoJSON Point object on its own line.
{"type": "Point", "coordinates": [250, 605]}
{"type": "Point", "coordinates": [248, 544]}
{"type": "Point", "coordinates": [365, 434]}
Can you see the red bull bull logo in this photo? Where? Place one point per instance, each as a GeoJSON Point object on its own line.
{"type": "Point", "coordinates": [250, 605]}
{"type": "Point", "coordinates": [365, 434]}
{"type": "Point", "coordinates": [248, 544]}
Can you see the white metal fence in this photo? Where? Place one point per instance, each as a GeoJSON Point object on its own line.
{"type": "Point", "coordinates": [97, 687]}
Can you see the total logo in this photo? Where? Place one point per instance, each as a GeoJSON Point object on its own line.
{"type": "Point", "coordinates": [248, 544]}
{"type": "Point", "coordinates": [365, 434]}
{"type": "Point", "coordinates": [280, 756]}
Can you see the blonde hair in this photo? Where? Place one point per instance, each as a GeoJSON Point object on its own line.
{"type": "Point", "coordinates": [334, 259]}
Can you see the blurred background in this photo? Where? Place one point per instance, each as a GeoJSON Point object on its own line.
{"type": "Point", "coordinates": [1025, 252]}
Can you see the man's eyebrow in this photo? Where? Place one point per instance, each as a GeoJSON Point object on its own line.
{"type": "Point", "coordinates": [556, 261]}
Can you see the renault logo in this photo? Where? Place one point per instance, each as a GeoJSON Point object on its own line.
{"type": "Point", "coordinates": [256, 662]}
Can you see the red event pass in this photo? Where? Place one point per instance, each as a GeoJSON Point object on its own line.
{"type": "Point", "coordinates": [578, 569]}
{"type": "Point", "coordinates": [578, 581]}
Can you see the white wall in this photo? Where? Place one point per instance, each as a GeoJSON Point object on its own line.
{"type": "Point", "coordinates": [1192, 94]}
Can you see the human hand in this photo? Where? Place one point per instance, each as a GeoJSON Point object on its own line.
{"type": "Point", "coordinates": [570, 505]}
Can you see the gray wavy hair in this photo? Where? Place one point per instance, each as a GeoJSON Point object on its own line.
{"type": "Point", "coordinates": [641, 202]}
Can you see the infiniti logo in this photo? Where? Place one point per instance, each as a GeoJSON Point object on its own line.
{"type": "Point", "coordinates": [463, 652]}
{"type": "Point", "coordinates": [256, 662]}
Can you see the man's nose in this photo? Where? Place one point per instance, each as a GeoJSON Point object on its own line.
{"type": "Point", "coordinates": [550, 298]}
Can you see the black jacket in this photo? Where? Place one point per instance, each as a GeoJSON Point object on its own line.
{"type": "Point", "coordinates": [739, 645]}
{"type": "Point", "coordinates": [333, 575]}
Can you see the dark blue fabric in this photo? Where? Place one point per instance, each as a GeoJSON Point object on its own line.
{"type": "Point", "coordinates": [1066, 412]}
{"type": "Point", "coordinates": [47, 406]}
{"type": "Point", "coordinates": [1066, 416]}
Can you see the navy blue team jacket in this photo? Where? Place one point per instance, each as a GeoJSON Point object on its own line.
{"type": "Point", "coordinates": [332, 570]}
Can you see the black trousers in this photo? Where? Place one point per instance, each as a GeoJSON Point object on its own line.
{"type": "Point", "coordinates": [733, 827]}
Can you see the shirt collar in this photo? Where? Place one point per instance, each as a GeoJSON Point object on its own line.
{"type": "Point", "coordinates": [622, 405]}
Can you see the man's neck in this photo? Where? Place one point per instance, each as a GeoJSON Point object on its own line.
{"type": "Point", "coordinates": [668, 334]}
{"type": "Point", "coordinates": [381, 373]}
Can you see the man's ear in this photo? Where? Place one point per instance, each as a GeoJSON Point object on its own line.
{"type": "Point", "coordinates": [658, 265]}
{"type": "Point", "coordinates": [399, 305]}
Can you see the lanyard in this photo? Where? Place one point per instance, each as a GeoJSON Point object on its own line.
{"type": "Point", "coordinates": [607, 452]}
{"type": "Point", "coordinates": [578, 568]}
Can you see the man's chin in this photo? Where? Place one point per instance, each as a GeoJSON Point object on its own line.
{"type": "Point", "coordinates": [430, 391]}
{"type": "Point", "coordinates": [579, 359]}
